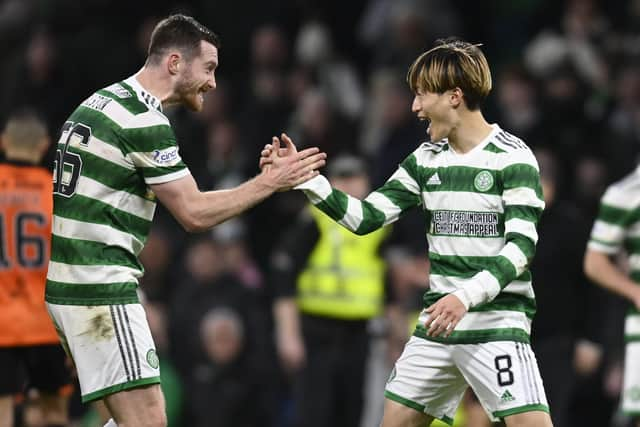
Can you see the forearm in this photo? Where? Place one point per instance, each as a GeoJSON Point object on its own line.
{"type": "Point", "coordinates": [512, 261]}
{"type": "Point", "coordinates": [359, 216]}
{"type": "Point", "coordinates": [285, 312]}
{"type": "Point", "coordinates": [214, 207]}
{"type": "Point", "coordinates": [599, 268]}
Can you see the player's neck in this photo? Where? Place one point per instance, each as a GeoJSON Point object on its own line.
{"type": "Point", "coordinates": [157, 83]}
{"type": "Point", "coordinates": [471, 130]}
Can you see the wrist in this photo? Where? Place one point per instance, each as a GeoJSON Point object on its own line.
{"type": "Point", "coordinates": [481, 288]}
{"type": "Point", "coordinates": [265, 182]}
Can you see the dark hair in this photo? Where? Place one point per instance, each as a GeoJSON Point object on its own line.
{"type": "Point", "coordinates": [449, 64]}
{"type": "Point", "coordinates": [181, 32]}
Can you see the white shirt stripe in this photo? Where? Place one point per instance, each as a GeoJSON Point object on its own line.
{"type": "Point", "coordinates": [523, 227]}
{"type": "Point", "coordinates": [121, 200]}
{"type": "Point", "coordinates": [513, 253]}
{"type": "Point", "coordinates": [73, 229]}
{"type": "Point", "coordinates": [465, 246]}
{"type": "Point", "coordinates": [91, 274]}
{"type": "Point", "coordinates": [381, 202]}
{"type": "Point", "coordinates": [522, 196]}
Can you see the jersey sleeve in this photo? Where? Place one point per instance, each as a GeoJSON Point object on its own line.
{"type": "Point", "coordinates": [150, 144]}
{"type": "Point", "coordinates": [383, 206]}
{"type": "Point", "coordinates": [523, 204]}
{"type": "Point", "coordinates": [608, 232]}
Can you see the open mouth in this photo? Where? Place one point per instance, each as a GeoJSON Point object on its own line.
{"type": "Point", "coordinates": [426, 119]}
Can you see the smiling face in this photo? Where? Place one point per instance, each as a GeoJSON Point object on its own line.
{"type": "Point", "coordinates": [439, 110]}
{"type": "Point", "coordinates": [196, 77]}
{"type": "Point", "coordinates": [454, 74]}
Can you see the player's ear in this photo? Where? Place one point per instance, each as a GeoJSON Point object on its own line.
{"type": "Point", "coordinates": [173, 63]}
{"type": "Point", "coordinates": [455, 97]}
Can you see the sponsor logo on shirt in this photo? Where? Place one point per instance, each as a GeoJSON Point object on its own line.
{"type": "Point", "coordinates": [464, 223]}
{"type": "Point", "coordinates": [166, 156]}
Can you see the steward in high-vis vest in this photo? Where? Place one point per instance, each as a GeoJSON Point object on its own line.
{"type": "Point", "coordinates": [344, 276]}
{"type": "Point", "coordinates": [329, 283]}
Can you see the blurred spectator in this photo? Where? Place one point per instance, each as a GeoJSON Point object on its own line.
{"type": "Point", "coordinates": [336, 77]}
{"type": "Point", "coordinates": [623, 127]}
{"type": "Point", "coordinates": [391, 130]}
{"type": "Point", "coordinates": [578, 42]}
{"type": "Point", "coordinates": [518, 107]}
{"type": "Point", "coordinates": [397, 31]}
{"type": "Point", "coordinates": [330, 284]}
{"type": "Point", "coordinates": [227, 389]}
{"type": "Point", "coordinates": [227, 385]}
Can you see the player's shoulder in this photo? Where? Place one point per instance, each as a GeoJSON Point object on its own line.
{"type": "Point", "coordinates": [507, 142]}
{"type": "Point", "coordinates": [130, 104]}
{"type": "Point", "coordinates": [510, 148]}
{"type": "Point", "coordinates": [625, 191]}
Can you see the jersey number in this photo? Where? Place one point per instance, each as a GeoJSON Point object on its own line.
{"type": "Point", "coordinates": [23, 241]}
{"type": "Point", "coordinates": [67, 166]}
{"type": "Point", "coordinates": [503, 365]}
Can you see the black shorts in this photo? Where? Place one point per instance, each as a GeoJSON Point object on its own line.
{"type": "Point", "coordinates": [41, 367]}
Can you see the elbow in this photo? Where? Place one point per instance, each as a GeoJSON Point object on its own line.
{"type": "Point", "coordinates": [191, 223]}
{"type": "Point", "coordinates": [361, 232]}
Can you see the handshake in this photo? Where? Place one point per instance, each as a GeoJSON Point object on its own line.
{"type": "Point", "coordinates": [284, 167]}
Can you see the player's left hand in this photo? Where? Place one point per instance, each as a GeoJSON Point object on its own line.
{"type": "Point", "coordinates": [266, 159]}
{"type": "Point", "coordinates": [444, 316]}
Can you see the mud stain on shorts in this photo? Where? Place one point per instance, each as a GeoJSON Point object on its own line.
{"type": "Point", "coordinates": [99, 324]}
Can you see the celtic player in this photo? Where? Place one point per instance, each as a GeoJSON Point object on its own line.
{"type": "Point", "coordinates": [617, 228]}
{"type": "Point", "coordinates": [116, 156]}
{"type": "Point", "coordinates": [480, 191]}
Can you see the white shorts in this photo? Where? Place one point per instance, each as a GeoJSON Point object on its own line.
{"type": "Point", "coordinates": [111, 346]}
{"type": "Point", "coordinates": [432, 377]}
{"type": "Point", "coordinates": [631, 388]}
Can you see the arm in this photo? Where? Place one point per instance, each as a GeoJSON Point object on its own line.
{"type": "Point", "coordinates": [199, 211]}
{"type": "Point", "coordinates": [523, 204]}
{"type": "Point", "coordinates": [599, 268]}
{"type": "Point", "coordinates": [383, 206]}
{"type": "Point", "coordinates": [400, 193]}
{"type": "Point", "coordinates": [289, 340]}
{"type": "Point", "coordinates": [288, 259]}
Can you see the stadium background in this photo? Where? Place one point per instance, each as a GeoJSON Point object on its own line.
{"type": "Point", "coordinates": [331, 73]}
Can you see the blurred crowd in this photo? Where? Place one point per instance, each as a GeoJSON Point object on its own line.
{"type": "Point", "coordinates": [332, 74]}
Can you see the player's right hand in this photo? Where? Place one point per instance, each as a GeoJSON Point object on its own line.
{"type": "Point", "coordinates": [287, 167]}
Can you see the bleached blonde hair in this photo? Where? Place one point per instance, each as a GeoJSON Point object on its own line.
{"type": "Point", "coordinates": [452, 63]}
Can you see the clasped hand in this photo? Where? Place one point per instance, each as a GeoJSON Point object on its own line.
{"type": "Point", "coordinates": [288, 163]}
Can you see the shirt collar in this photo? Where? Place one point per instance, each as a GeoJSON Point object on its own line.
{"type": "Point", "coordinates": [143, 94]}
